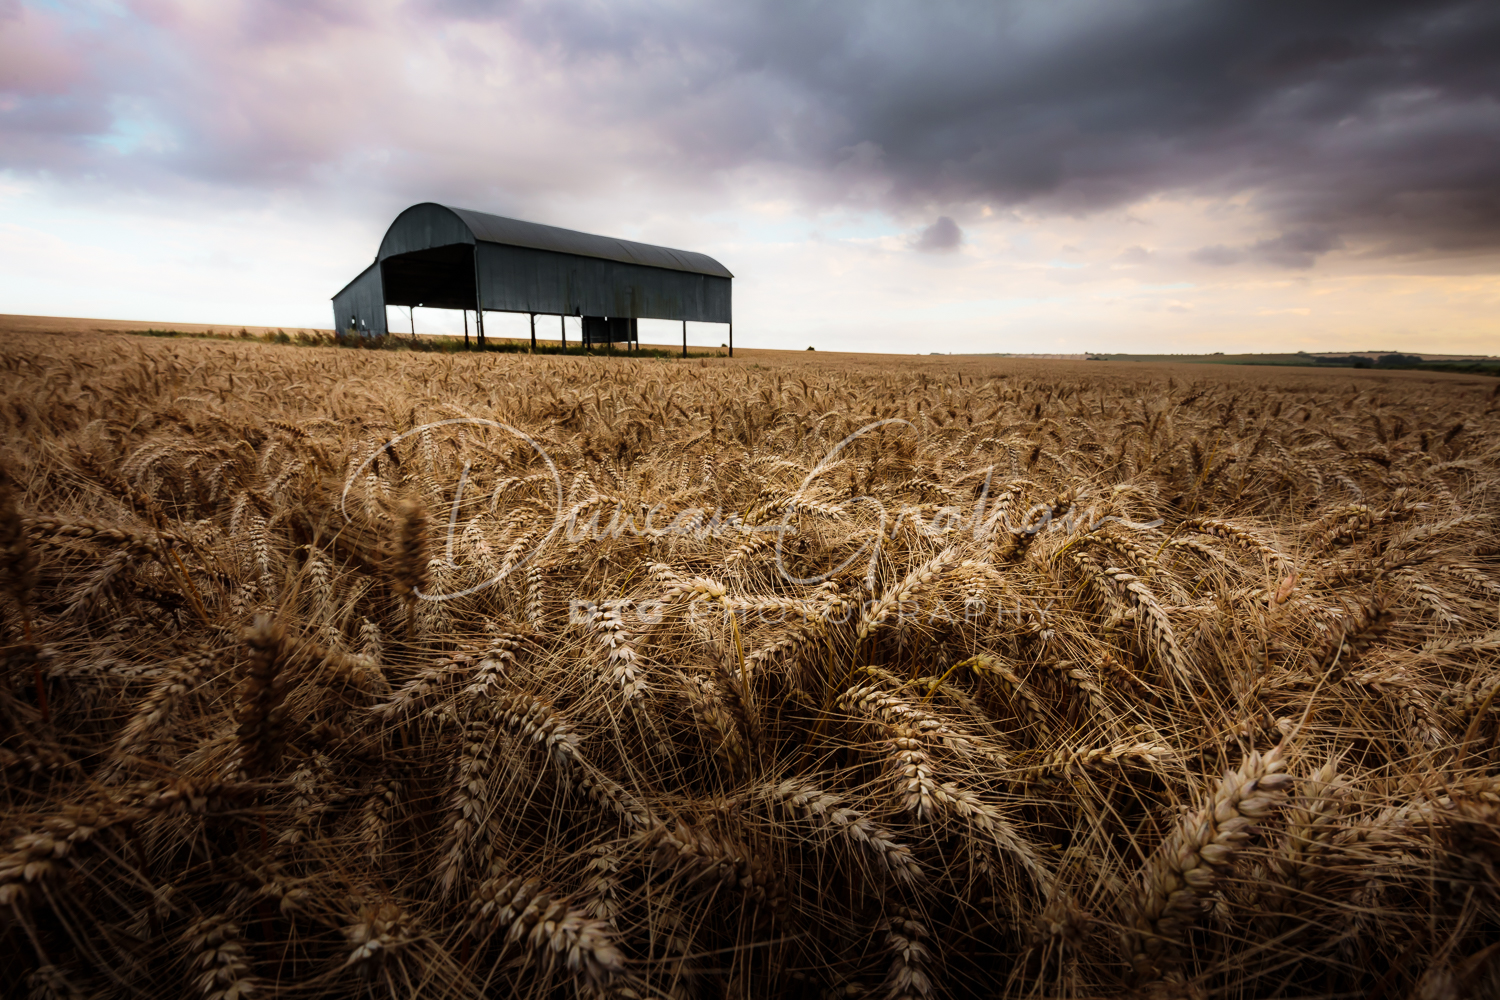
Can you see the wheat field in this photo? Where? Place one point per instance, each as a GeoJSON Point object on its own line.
{"type": "Point", "coordinates": [638, 678]}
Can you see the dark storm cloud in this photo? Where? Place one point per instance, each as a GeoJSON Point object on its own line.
{"type": "Point", "coordinates": [943, 234]}
{"type": "Point", "coordinates": [1370, 126]}
{"type": "Point", "coordinates": [1374, 121]}
{"type": "Point", "coordinates": [1295, 248]}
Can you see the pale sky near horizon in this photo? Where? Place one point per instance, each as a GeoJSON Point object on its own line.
{"type": "Point", "coordinates": [1152, 176]}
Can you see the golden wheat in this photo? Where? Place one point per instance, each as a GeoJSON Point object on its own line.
{"type": "Point", "coordinates": [637, 678]}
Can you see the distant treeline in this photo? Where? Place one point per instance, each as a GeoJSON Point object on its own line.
{"type": "Point", "coordinates": [1411, 361]}
{"type": "Point", "coordinates": [1393, 361]}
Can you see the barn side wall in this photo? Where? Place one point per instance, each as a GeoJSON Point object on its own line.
{"type": "Point", "coordinates": [522, 279]}
{"type": "Point", "coordinates": [363, 302]}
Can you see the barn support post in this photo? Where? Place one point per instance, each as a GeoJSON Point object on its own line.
{"type": "Point", "coordinates": [533, 333]}
{"type": "Point", "coordinates": [478, 304]}
{"type": "Point", "coordinates": [411, 312]}
{"type": "Point", "coordinates": [731, 338]}
{"type": "Point", "coordinates": [684, 338]}
{"type": "Point", "coordinates": [562, 331]}
{"type": "Point", "coordinates": [466, 329]}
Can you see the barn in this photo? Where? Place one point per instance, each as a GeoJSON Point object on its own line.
{"type": "Point", "coordinates": [439, 257]}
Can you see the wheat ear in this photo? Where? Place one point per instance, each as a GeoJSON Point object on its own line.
{"type": "Point", "coordinates": [261, 713]}
{"type": "Point", "coordinates": [409, 562]}
{"type": "Point", "coordinates": [17, 560]}
{"type": "Point", "coordinates": [526, 914]}
{"type": "Point", "coordinates": [219, 960]}
{"type": "Point", "coordinates": [907, 976]}
{"type": "Point", "coordinates": [802, 796]}
{"type": "Point", "coordinates": [1187, 866]}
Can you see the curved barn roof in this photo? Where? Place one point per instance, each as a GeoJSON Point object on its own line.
{"type": "Point", "coordinates": [429, 224]}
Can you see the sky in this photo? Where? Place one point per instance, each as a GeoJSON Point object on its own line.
{"type": "Point", "coordinates": [1151, 176]}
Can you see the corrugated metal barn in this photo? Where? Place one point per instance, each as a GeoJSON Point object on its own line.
{"type": "Point", "coordinates": [449, 258]}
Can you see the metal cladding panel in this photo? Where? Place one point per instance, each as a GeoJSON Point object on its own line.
{"type": "Point", "coordinates": [522, 279]}
{"type": "Point", "coordinates": [361, 304]}
{"type": "Point", "coordinates": [428, 225]}
{"type": "Point", "coordinates": [422, 227]}
{"type": "Point", "coordinates": [513, 232]}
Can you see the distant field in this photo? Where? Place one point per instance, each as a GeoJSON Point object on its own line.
{"type": "Point", "coordinates": [1210, 359]}
{"type": "Point", "coordinates": [975, 364]}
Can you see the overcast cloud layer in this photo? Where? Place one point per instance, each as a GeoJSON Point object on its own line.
{"type": "Point", "coordinates": [860, 165]}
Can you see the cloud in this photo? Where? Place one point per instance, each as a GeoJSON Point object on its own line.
{"type": "Point", "coordinates": [1298, 248]}
{"type": "Point", "coordinates": [1368, 126]}
{"type": "Point", "coordinates": [1377, 123]}
{"type": "Point", "coordinates": [1218, 255]}
{"type": "Point", "coordinates": [943, 235]}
